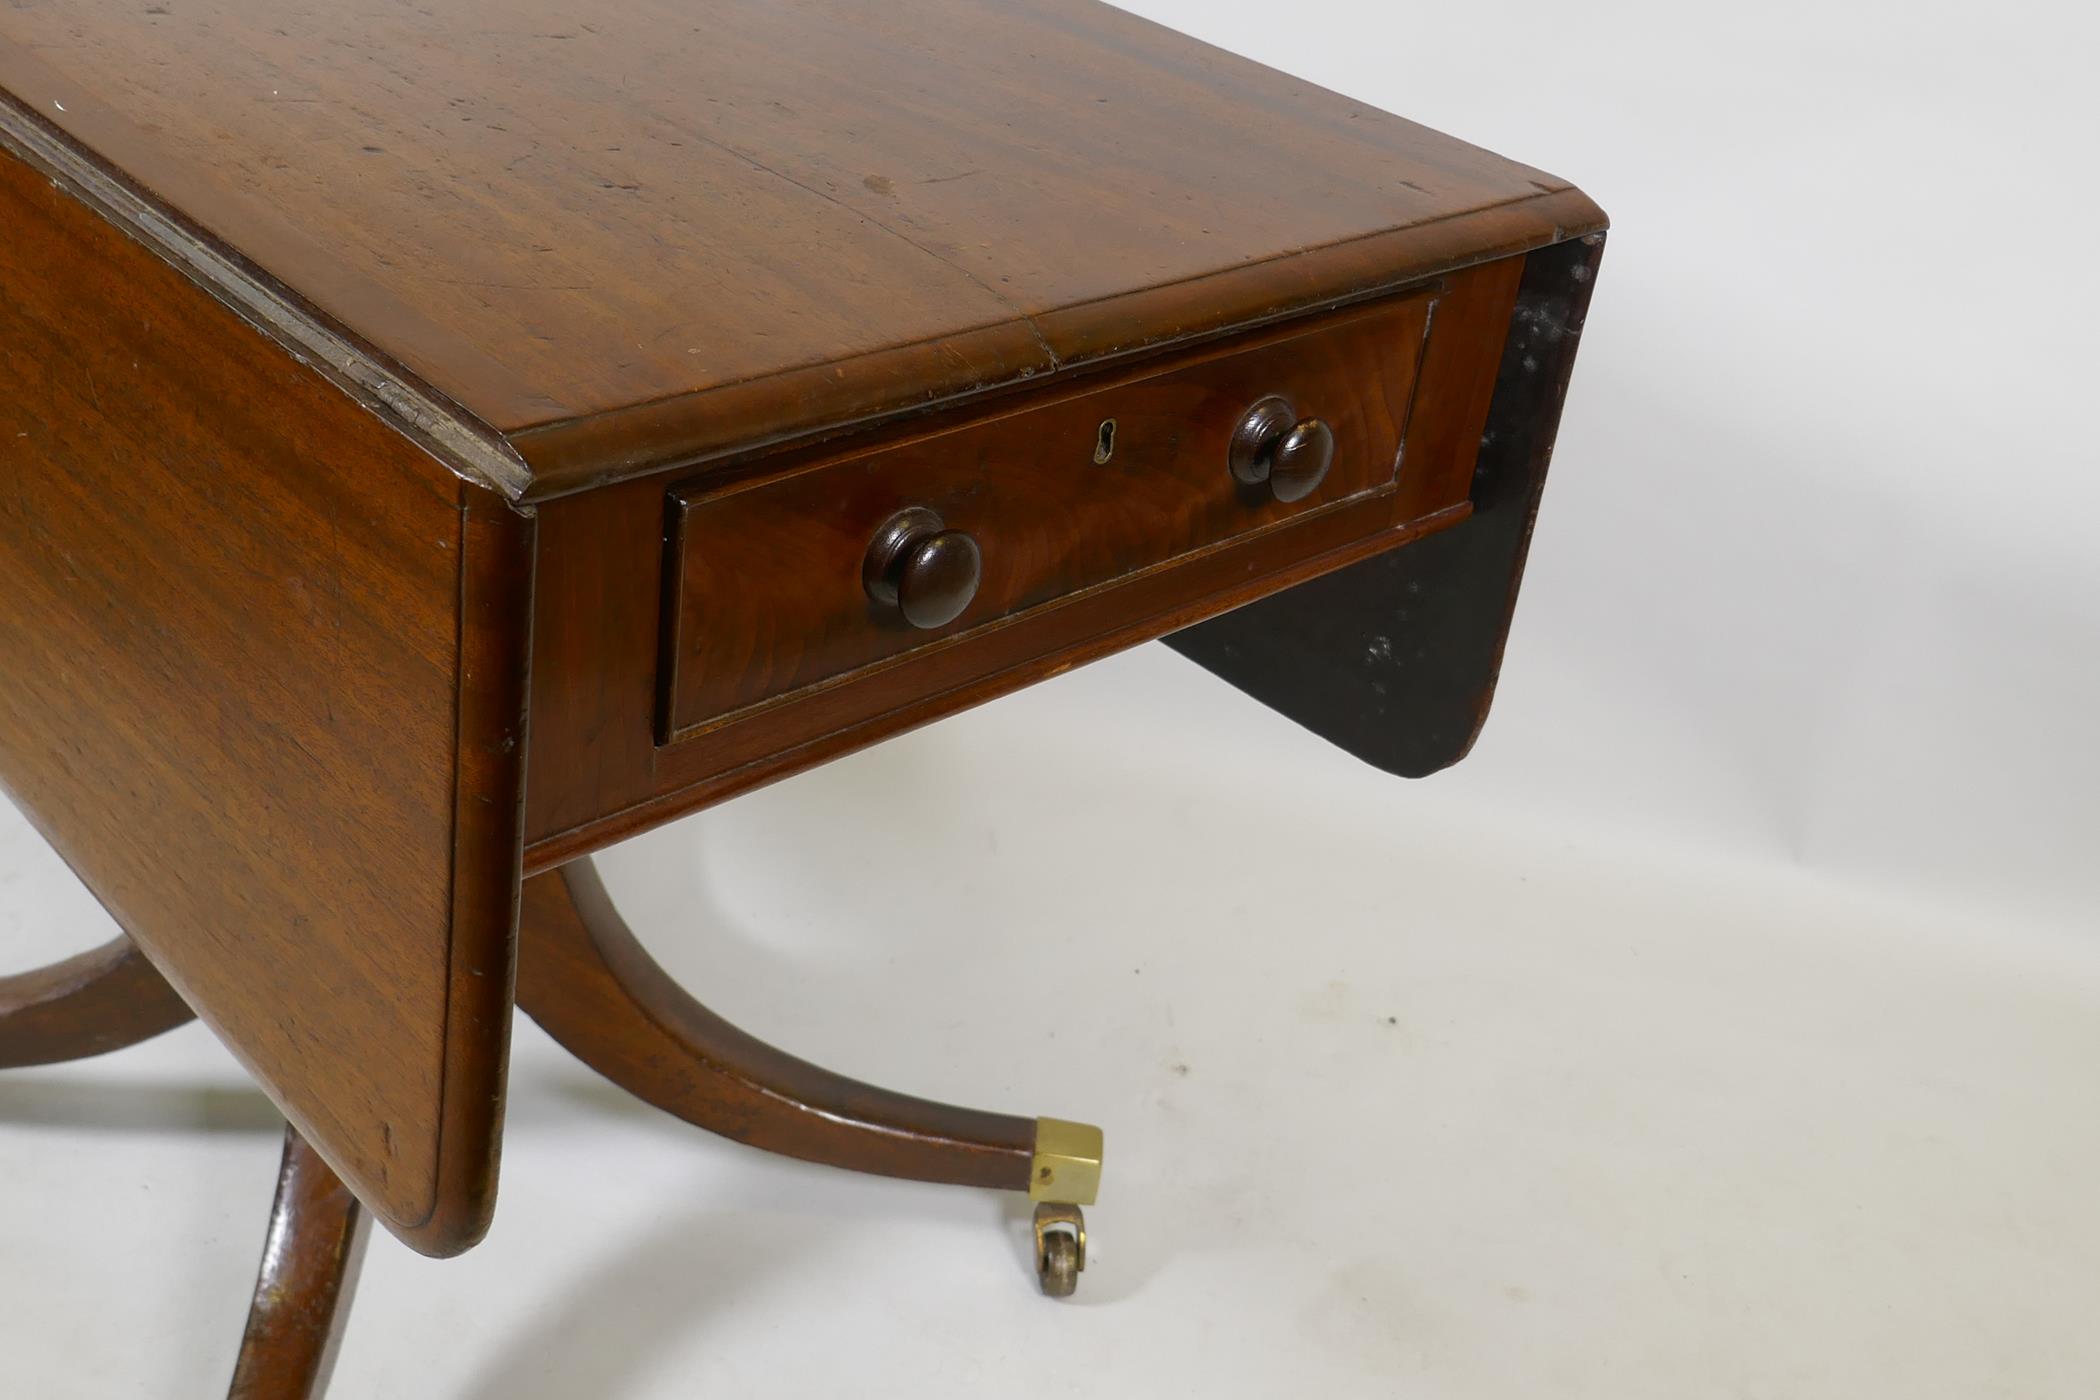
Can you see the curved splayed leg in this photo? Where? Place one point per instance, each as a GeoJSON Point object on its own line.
{"type": "Point", "coordinates": [303, 1288]}
{"type": "Point", "coordinates": [587, 980]}
{"type": "Point", "coordinates": [102, 1000]}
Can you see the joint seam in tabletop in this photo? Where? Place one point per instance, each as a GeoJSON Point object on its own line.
{"type": "Point", "coordinates": [467, 447]}
{"type": "Point", "coordinates": [484, 857]}
{"type": "Point", "coordinates": [993, 292]}
{"type": "Point", "coordinates": [446, 1087]}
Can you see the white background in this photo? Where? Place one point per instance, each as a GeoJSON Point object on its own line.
{"type": "Point", "coordinates": [1727, 1025]}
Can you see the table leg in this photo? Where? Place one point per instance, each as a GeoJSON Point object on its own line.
{"type": "Point", "coordinates": [102, 1000]}
{"type": "Point", "coordinates": [302, 1291]}
{"type": "Point", "coordinates": [586, 979]}
{"type": "Point", "coordinates": [111, 997]}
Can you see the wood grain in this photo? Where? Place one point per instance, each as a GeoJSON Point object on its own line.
{"type": "Point", "coordinates": [588, 981]}
{"type": "Point", "coordinates": [98, 1001]}
{"type": "Point", "coordinates": [349, 352]}
{"type": "Point", "coordinates": [310, 1262]}
{"type": "Point", "coordinates": [655, 233]}
{"type": "Point", "coordinates": [662, 784]}
{"type": "Point", "coordinates": [264, 663]}
{"type": "Point", "coordinates": [769, 597]}
{"type": "Point", "coordinates": [597, 772]}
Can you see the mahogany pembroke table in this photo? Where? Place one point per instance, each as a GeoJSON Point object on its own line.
{"type": "Point", "coordinates": [439, 441]}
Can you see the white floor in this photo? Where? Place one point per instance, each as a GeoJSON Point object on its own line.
{"type": "Point", "coordinates": [1403, 1096]}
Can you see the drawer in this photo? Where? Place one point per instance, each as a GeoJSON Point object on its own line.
{"type": "Point", "coordinates": [796, 581]}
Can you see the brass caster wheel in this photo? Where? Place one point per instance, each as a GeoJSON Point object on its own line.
{"type": "Point", "coordinates": [1060, 1248]}
{"type": "Point", "coordinates": [1065, 1175]}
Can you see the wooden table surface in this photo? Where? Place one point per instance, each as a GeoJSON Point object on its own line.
{"type": "Point", "coordinates": [626, 234]}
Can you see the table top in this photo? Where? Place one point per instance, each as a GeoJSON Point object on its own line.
{"type": "Point", "coordinates": [666, 232]}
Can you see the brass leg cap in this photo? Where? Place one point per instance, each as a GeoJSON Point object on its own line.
{"type": "Point", "coordinates": [1067, 1164]}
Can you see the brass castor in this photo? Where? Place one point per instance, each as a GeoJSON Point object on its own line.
{"type": "Point", "coordinates": [1060, 1248]}
{"type": "Point", "coordinates": [1064, 1175]}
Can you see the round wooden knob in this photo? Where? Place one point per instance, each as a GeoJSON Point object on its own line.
{"type": "Point", "coordinates": [1273, 445]}
{"type": "Point", "coordinates": [923, 570]}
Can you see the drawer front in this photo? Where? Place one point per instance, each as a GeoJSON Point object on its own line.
{"type": "Point", "coordinates": [772, 591]}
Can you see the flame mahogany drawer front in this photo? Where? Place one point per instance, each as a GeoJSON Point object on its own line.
{"type": "Point", "coordinates": [774, 590]}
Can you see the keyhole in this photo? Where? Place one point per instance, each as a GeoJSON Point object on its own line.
{"type": "Point", "coordinates": [1105, 442]}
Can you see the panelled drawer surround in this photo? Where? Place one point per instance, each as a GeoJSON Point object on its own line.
{"type": "Point", "coordinates": [764, 597]}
